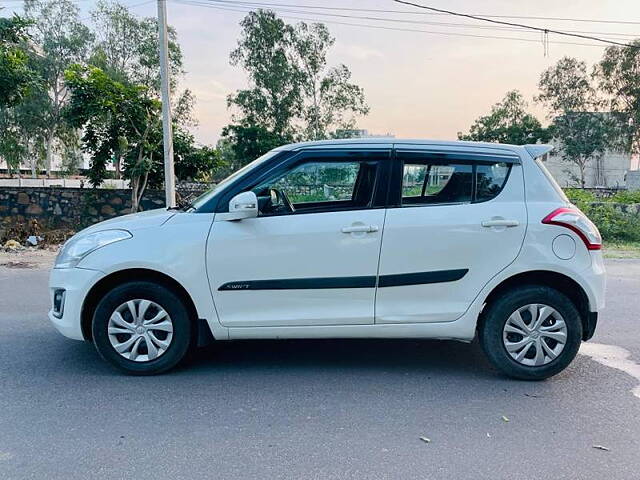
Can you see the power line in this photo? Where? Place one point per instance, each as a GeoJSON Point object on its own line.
{"type": "Point", "coordinates": [379, 27]}
{"type": "Point", "coordinates": [278, 7]}
{"type": "Point", "coordinates": [521, 17]}
{"type": "Point", "coordinates": [530, 27]}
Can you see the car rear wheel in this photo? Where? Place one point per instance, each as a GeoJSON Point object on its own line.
{"type": "Point", "coordinates": [531, 332]}
{"type": "Point", "coordinates": [142, 328]}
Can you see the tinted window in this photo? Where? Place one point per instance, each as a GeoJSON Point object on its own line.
{"type": "Point", "coordinates": [436, 182]}
{"type": "Point", "coordinates": [318, 185]}
{"type": "Point", "coordinates": [319, 182]}
{"type": "Point", "coordinates": [490, 179]}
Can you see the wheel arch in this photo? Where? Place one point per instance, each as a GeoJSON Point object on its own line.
{"type": "Point", "coordinates": [563, 283]}
{"type": "Point", "coordinates": [107, 283]}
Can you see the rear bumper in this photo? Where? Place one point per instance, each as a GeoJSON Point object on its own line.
{"type": "Point", "coordinates": [589, 326]}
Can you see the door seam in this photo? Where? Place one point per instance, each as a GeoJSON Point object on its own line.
{"type": "Point", "coordinates": [375, 294]}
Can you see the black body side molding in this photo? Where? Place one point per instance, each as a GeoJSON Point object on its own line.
{"type": "Point", "coordinates": [396, 280]}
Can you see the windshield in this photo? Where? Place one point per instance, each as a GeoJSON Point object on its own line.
{"type": "Point", "coordinates": [204, 198]}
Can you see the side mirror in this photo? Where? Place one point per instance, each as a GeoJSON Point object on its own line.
{"type": "Point", "coordinates": [243, 205]}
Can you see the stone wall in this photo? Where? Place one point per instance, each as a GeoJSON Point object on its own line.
{"type": "Point", "coordinates": [72, 207]}
{"type": "Point", "coordinates": [633, 180]}
{"type": "Point", "coordinates": [80, 207]}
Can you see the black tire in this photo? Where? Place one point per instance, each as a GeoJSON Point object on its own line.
{"type": "Point", "coordinates": [496, 314]}
{"type": "Point", "coordinates": [182, 327]}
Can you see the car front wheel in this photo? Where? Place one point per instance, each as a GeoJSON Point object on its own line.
{"type": "Point", "coordinates": [142, 328]}
{"type": "Point", "coordinates": [531, 332]}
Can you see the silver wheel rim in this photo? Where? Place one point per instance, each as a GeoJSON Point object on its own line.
{"type": "Point", "coordinates": [140, 330]}
{"type": "Point", "coordinates": [534, 335]}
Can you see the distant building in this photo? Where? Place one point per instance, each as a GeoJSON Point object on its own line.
{"type": "Point", "coordinates": [609, 171]}
{"type": "Point", "coordinates": [360, 133]}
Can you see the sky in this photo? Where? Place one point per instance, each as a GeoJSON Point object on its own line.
{"type": "Point", "coordinates": [418, 85]}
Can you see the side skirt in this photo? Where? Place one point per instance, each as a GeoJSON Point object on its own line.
{"type": "Point", "coordinates": [462, 329]}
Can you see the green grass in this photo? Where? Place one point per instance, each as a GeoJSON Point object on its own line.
{"type": "Point", "coordinates": [621, 250]}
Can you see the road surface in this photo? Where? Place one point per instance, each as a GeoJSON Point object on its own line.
{"type": "Point", "coordinates": [348, 409]}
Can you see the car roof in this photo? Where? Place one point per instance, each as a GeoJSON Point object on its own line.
{"type": "Point", "coordinates": [385, 142]}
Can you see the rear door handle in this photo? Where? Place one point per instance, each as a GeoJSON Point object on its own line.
{"type": "Point", "coordinates": [360, 228]}
{"type": "Point", "coordinates": [500, 223]}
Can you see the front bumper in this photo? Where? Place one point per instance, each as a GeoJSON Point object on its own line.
{"type": "Point", "coordinates": [76, 283]}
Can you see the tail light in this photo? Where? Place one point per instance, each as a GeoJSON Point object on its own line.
{"type": "Point", "coordinates": [575, 220]}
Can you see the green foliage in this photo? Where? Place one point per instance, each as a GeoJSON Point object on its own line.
{"type": "Point", "coordinates": [329, 100]}
{"type": "Point", "coordinates": [194, 162]}
{"type": "Point", "coordinates": [618, 76]}
{"type": "Point", "coordinates": [248, 141]}
{"type": "Point", "coordinates": [579, 196]}
{"type": "Point", "coordinates": [508, 122]}
{"type": "Point", "coordinates": [16, 75]}
{"type": "Point", "coordinates": [614, 225]}
{"type": "Point", "coordinates": [583, 132]}
{"type": "Point", "coordinates": [293, 95]}
{"type": "Point", "coordinates": [62, 40]}
{"type": "Point", "coordinates": [127, 46]}
{"type": "Point", "coordinates": [626, 197]}
{"type": "Point", "coordinates": [119, 120]}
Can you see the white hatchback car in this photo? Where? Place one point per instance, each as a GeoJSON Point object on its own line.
{"type": "Point", "coordinates": [334, 239]}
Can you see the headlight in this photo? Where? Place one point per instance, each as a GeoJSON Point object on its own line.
{"type": "Point", "coordinates": [80, 246]}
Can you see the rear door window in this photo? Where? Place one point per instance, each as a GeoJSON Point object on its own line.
{"type": "Point", "coordinates": [436, 183]}
{"type": "Point", "coordinates": [490, 180]}
{"type": "Point", "coordinates": [429, 180]}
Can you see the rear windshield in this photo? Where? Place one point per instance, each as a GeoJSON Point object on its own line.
{"type": "Point", "coordinates": [552, 180]}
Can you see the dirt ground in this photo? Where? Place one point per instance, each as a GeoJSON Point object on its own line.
{"type": "Point", "coordinates": [28, 258]}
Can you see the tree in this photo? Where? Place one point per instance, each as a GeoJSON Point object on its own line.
{"type": "Point", "coordinates": [23, 132]}
{"type": "Point", "coordinates": [126, 49]}
{"type": "Point", "coordinates": [583, 132]}
{"type": "Point", "coordinates": [328, 96]}
{"type": "Point", "coordinates": [618, 76]}
{"type": "Point", "coordinates": [119, 120]}
{"type": "Point", "coordinates": [21, 125]}
{"type": "Point", "coordinates": [292, 94]}
{"type": "Point", "coordinates": [127, 46]}
{"type": "Point", "coordinates": [15, 72]}
{"type": "Point", "coordinates": [508, 122]}
{"type": "Point", "coordinates": [194, 162]}
{"type": "Point", "coordinates": [248, 141]}
{"type": "Point", "coordinates": [62, 40]}
{"type": "Point", "coordinates": [263, 51]}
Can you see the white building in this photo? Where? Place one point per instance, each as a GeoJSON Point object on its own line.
{"type": "Point", "coordinates": [609, 171]}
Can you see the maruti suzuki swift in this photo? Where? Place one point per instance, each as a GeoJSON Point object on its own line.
{"type": "Point", "coordinates": [367, 238]}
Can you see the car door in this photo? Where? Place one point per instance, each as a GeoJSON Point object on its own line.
{"type": "Point", "coordinates": [315, 265]}
{"type": "Point", "coordinates": [457, 218]}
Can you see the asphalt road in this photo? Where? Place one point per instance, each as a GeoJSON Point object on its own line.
{"type": "Point", "coordinates": [311, 409]}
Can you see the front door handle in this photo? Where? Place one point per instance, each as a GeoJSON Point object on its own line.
{"type": "Point", "coordinates": [500, 222]}
{"type": "Point", "coordinates": [360, 229]}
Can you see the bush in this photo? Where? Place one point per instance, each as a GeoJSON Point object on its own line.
{"type": "Point", "coordinates": [613, 224]}
{"type": "Point", "coordinates": [580, 197]}
{"type": "Point", "coordinates": [577, 196]}
{"type": "Point", "coordinates": [626, 197]}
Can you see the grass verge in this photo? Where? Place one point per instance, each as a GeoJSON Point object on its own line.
{"type": "Point", "coordinates": [621, 250]}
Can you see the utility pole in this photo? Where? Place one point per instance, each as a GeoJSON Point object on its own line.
{"type": "Point", "coordinates": [167, 133]}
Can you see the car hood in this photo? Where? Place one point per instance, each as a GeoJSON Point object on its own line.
{"type": "Point", "coordinates": [134, 221]}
